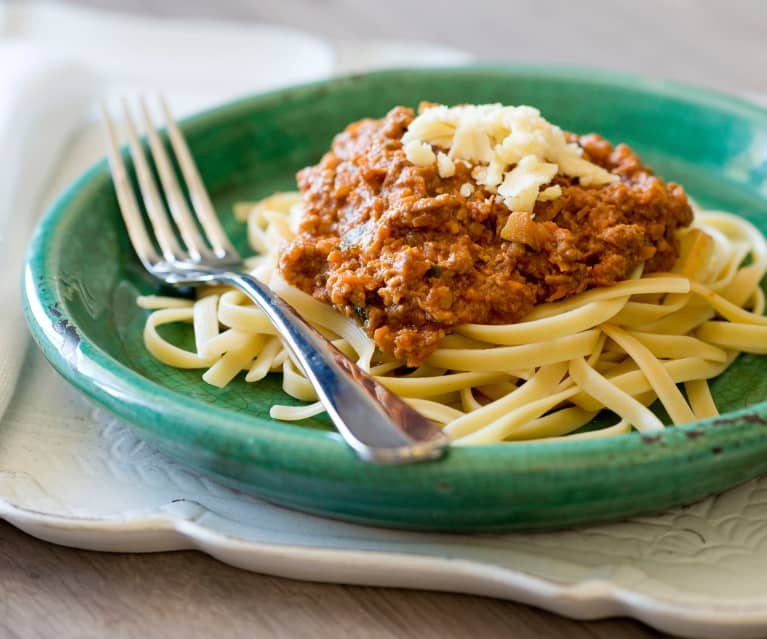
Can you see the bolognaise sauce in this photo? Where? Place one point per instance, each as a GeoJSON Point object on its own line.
{"type": "Point", "coordinates": [402, 250]}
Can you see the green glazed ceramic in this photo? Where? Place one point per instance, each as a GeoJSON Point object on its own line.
{"type": "Point", "coordinates": [82, 279]}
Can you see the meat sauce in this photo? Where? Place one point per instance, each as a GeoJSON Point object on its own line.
{"type": "Point", "coordinates": [399, 248]}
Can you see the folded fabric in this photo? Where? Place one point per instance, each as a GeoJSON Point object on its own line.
{"type": "Point", "coordinates": [42, 101]}
{"type": "Point", "coordinates": [198, 62]}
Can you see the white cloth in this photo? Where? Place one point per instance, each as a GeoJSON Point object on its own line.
{"type": "Point", "coordinates": [42, 101]}
{"type": "Point", "coordinates": [197, 62]}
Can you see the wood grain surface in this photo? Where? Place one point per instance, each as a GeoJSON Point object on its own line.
{"type": "Point", "coordinates": [716, 43]}
{"type": "Point", "coordinates": [50, 591]}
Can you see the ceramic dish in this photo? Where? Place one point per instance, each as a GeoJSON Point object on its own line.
{"type": "Point", "coordinates": [82, 279]}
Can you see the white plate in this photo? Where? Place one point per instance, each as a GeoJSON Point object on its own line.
{"type": "Point", "coordinates": [71, 474]}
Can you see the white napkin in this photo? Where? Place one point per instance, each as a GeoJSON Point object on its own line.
{"type": "Point", "coordinates": [197, 62]}
{"type": "Point", "coordinates": [42, 101]}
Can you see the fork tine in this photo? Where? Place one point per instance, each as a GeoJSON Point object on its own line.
{"type": "Point", "coordinates": [155, 208]}
{"type": "Point", "coordinates": [126, 197]}
{"type": "Point", "coordinates": [199, 196]}
{"type": "Point", "coordinates": [179, 209]}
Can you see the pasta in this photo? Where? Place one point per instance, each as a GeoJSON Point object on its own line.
{"type": "Point", "coordinates": [619, 348]}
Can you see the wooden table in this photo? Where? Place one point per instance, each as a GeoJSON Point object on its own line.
{"type": "Point", "coordinates": [716, 43]}
{"type": "Point", "coordinates": [48, 591]}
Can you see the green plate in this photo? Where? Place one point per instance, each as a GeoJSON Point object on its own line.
{"type": "Point", "coordinates": [81, 281]}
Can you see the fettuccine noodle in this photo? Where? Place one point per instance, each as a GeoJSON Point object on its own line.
{"type": "Point", "coordinates": [619, 348]}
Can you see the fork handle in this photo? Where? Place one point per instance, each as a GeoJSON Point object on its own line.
{"type": "Point", "coordinates": [375, 422]}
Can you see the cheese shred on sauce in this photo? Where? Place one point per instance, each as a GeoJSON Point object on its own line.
{"type": "Point", "coordinates": [515, 151]}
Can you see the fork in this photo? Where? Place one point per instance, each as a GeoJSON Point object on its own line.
{"type": "Point", "coordinates": [377, 424]}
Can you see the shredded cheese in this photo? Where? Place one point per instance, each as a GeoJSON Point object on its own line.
{"type": "Point", "coordinates": [445, 166]}
{"type": "Point", "coordinates": [521, 185]}
{"type": "Point", "coordinates": [419, 153]}
{"type": "Point", "coordinates": [514, 151]}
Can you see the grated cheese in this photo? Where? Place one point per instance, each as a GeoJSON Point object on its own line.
{"type": "Point", "coordinates": [419, 153]}
{"type": "Point", "coordinates": [521, 185]}
{"type": "Point", "coordinates": [514, 151]}
{"type": "Point", "coordinates": [445, 166]}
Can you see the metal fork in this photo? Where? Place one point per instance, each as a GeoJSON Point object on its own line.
{"type": "Point", "coordinates": [377, 424]}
